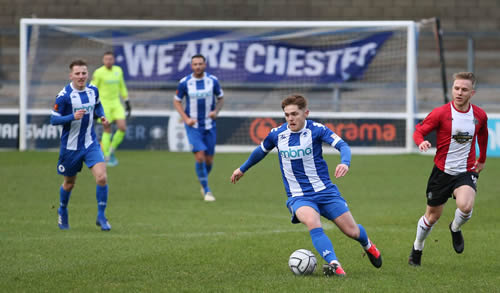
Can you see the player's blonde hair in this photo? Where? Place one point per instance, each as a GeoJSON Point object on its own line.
{"type": "Point", "coordinates": [294, 99]}
{"type": "Point", "coordinates": [467, 76]}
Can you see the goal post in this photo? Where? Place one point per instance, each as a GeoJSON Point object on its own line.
{"type": "Point", "coordinates": [358, 74]}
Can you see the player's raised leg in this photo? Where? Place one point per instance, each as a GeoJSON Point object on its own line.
{"type": "Point", "coordinates": [348, 226]}
{"type": "Point", "coordinates": [311, 218]}
{"type": "Point", "coordinates": [64, 195]}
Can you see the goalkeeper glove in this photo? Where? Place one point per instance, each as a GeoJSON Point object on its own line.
{"type": "Point", "coordinates": [128, 108]}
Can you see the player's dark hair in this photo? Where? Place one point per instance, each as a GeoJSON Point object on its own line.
{"type": "Point", "coordinates": [109, 53]}
{"type": "Point", "coordinates": [467, 76]}
{"type": "Point", "coordinates": [198, 56]}
{"type": "Point", "coordinates": [294, 99]}
{"type": "Point", "coordinates": [77, 62]}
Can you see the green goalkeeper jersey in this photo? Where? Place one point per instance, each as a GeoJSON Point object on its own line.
{"type": "Point", "coordinates": [110, 84]}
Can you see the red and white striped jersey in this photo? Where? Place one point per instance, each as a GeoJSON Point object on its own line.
{"type": "Point", "coordinates": [456, 137]}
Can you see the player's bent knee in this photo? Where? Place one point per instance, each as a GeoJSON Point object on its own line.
{"type": "Point", "coordinates": [101, 179]}
{"type": "Point", "coordinates": [68, 186]}
{"type": "Point", "coordinates": [352, 232]}
{"type": "Point", "coordinates": [467, 209]}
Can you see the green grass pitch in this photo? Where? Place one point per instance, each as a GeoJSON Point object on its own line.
{"type": "Point", "coordinates": [166, 239]}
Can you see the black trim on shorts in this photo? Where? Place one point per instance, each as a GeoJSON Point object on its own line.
{"type": "Point", "coordinates": [440, 185]}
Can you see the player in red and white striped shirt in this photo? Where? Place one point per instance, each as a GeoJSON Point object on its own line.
{"type": "Point", "coordinates": [458, 125]}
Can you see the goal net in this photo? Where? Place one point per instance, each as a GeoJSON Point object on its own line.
{"type": "Point", "coordinates": [359, 77]}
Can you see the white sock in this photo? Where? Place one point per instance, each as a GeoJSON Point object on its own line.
{"type": "Point", "coordinates": [460, 219]}
{"type": "Point", "coordinates": [366, 247]}
{"type": "Point", "coordinates": [335, 262]}
{"type": "Point", "coordinates": [423, 230]}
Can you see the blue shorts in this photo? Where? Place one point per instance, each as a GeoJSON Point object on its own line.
{"type": "Point", "coordinates": [328, 203]}
{"type": "Point", "coordinates": [202, 139]}
{"type": "Point", "coordinates": [70, 162]}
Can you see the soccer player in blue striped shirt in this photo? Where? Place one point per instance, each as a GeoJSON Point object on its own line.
{"type": "Point", "coordinates": [310, 191]}
{"type": "Point", "coordinates": [204, 100]}
{"type": "Point", "coordinates": [74, 109]}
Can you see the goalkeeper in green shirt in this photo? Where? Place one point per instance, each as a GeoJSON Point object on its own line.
{"type": "Point", "coordinates": [109, 80]}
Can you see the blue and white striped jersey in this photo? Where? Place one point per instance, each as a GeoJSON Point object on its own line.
{"type": "Point", "coordinates": [77, 134]}
{"type": "Point", "coordinates": [303, 168]}
{"type": "Point", "coordinates": [200, 96]}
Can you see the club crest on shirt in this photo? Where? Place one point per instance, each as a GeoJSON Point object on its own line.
{"type": "Point", "coordinates": [462, 137]}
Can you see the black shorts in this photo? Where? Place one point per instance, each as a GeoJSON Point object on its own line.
{"type": "Point", "coordinates": [440, 186]}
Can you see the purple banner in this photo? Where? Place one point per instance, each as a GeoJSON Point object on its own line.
{"type": "Point", "coordinates": [248, 60]}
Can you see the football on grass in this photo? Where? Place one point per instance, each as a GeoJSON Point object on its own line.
{"type": "Point", "coordinates": [302, 262]}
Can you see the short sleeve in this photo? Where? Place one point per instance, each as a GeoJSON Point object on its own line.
{"type": "Point", "coordinates": [59, 108]}
{"type": "Point", "coordinates": [217, 89]}
{"type": "Point", "coordinates": [269, 143]}
{"type": "Point", "coordinates": [326, 134]}
{"type": "Point", "coordinates": [181, 91]}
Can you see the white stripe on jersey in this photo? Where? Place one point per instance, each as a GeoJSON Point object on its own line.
{"type": "Point", "coordinates": [208, 105]}
{"type": "Point", "coordinates": [462, 124]}
{"type": "Point", "coordinates": [308, 161]}
{"type": "Point", "coordinates": [74, 131]}
{"type": "Point", "coordinates": [193, 101]}
{"type": "Point", "coordinates": [92, 101]}
{"type": "Point", "coordinates": [286, 165]}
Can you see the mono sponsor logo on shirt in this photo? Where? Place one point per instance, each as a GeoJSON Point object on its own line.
{"type": "Point", "coordinates": [462, 137]}
{"type": "Point", "coordinates": [200, 94]}
{"type": "Point", "coordinates": [87, 109]}
{"type": "Point", "coordinates": [295, 152]}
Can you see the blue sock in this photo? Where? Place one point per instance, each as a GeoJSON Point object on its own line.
{"type": "Point", "coordinates": [102, 199]}
{"type": "Point", "coordinates": [201, 171]}
{"type": "Point", "coordinates": [64, 197]}
{"type": "Point", "coordinates": [209, 168]}
{"type": "Point", "coordinates": [363, 237]}
{"type": "Point", "coordinates": [323, 244]}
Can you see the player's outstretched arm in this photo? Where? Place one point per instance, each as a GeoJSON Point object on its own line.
{"type": "Point", "coordinates": [256, 156]}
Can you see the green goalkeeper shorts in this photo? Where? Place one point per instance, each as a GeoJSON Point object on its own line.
{"type": "Point", "coordinates": [114, 112]}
